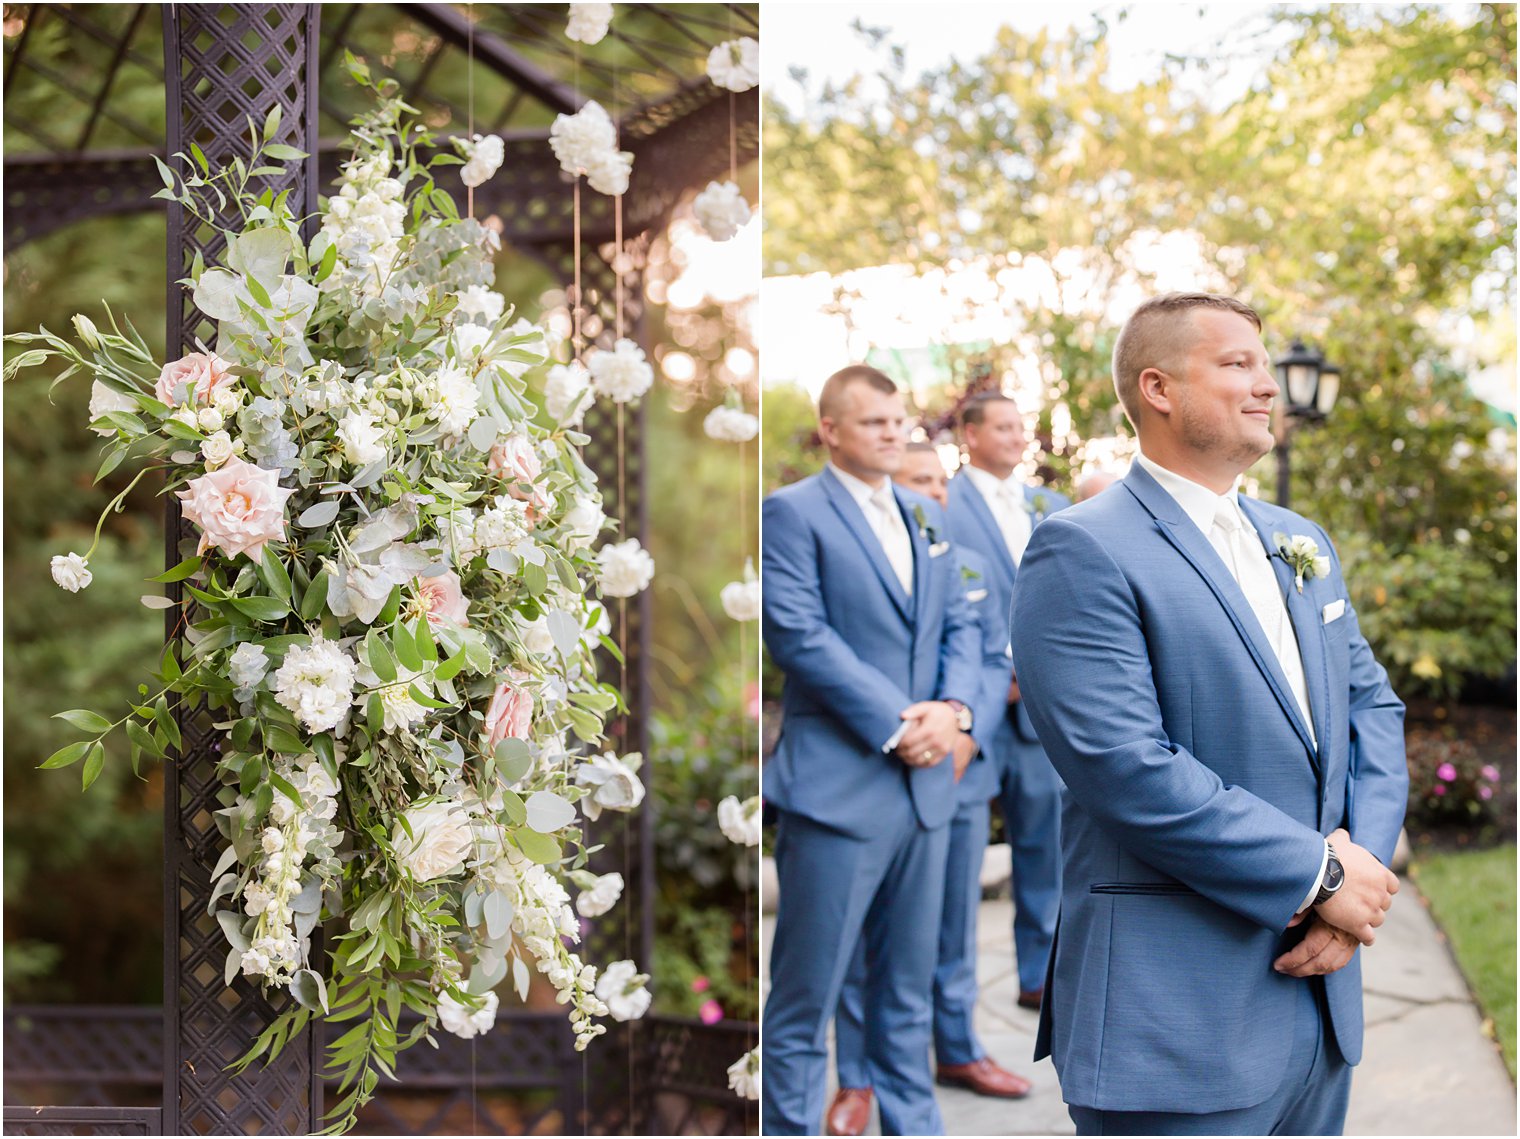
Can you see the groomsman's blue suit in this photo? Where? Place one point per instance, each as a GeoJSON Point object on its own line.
{"type": "Point", "coordinates": [1026, 785]}
{"type": "Point", "coordinates": [955, 1039]}
{"type": "Point", "coordinates": [861, 840]}
{"type": "Point", "coordinates": [1196, 801]}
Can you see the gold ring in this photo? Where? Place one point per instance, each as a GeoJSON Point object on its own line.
{"type": "Point", "coordinates": [929, 753]}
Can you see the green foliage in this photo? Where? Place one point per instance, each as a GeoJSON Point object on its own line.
{"type": "Point", "coordinates": [707, 891]}
{"type": "Point", "coordinates": [789, 433]}
{"type": "Point", "coordinates": [1472, 896]}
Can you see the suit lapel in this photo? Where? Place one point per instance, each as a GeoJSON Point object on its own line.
{"type": "Point", "coordinates": [1307, 627]}
{"type": "Point", "coordinates": [921, 569]}
{"type": "Point", "coordinates": [995, 538]}
{"type": "Point", "coordinates": [1178, 529]}
{"type": "Point", "coordinates": [854, 518]}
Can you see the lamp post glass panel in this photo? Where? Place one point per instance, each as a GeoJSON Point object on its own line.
{"type": "Point", "coordinates": [1309, 386]}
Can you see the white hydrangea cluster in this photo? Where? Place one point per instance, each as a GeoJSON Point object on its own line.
{"type": "Point", "coordinates": [316, 682]}
{"type": "Point", "coordinates": [721, 210]}
{"type": "Point", "coordinates": [276, 950]}
{"type": "Point", "coordinates": [366, 220]}
{"type": "Point", "coordinates": [621, 375]}
{"type": "Point", "coordinates": [586, 143]}
{"type": "Point", "coordinates": [730, 425]}
{"type": "Point", "coordinates": [624, 568]}
{"type": "Point", "coordinates": [483, 155]}
{"type": "Point", "coordinates": [503, 525]}
{"type": "Point", "coordinates": [477, 301]}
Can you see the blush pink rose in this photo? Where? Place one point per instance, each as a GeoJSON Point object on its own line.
{"type": "Point", "coordinates": [510, 711]}
{"type": "Point", "coordinates": [203, 371]}
{"type": "Point", "coordinates": [238, 507]}
{"type": "Point", "coordinates": [514, 461]}
{"type": "Point", "coordinates": [443, 601]}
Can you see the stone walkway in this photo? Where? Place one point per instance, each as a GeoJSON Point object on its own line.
{"type": "Point", "coordinates": [1427, 1068]}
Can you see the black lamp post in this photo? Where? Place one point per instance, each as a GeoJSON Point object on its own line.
{"type": "Point", "coordinates": [1309, 386]}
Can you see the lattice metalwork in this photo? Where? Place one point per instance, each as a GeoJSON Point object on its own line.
{"type": "Point", "coordinates": [522, 1078]}
{"type": "Point", "coordinates": [235, 62]}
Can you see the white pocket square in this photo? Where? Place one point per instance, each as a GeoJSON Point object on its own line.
{"type": "Point", "coordinates": [976, 595]}
{"type": "Point", "coordinates": [1333, 611]}
{"type": "Point", "coordinates": [939, 548]}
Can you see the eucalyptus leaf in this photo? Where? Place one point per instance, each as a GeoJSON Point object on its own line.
{"type": "Point", "coordinates": [547, 812]}
{"type": "Point", "coordinates": [319, 515]}
{"type": "Point", "coordinates": [232, 925]}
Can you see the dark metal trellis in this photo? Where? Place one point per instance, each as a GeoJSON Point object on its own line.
{"type": "Point", "coordinates": [230, 62]}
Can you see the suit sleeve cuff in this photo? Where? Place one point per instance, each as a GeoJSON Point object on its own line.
{"type": "Point", "coordinates": [1324, 861]}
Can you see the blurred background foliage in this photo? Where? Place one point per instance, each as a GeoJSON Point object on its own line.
{"type": "Point", "coordinates": [1360, 193]}
{"type": "Point", "coordinates": [83, 893]}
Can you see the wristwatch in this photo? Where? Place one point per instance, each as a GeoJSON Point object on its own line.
{"type": "Point", "coordinates": [963, 717]}
{"type": "Point", "coordinates": [1334, 879]}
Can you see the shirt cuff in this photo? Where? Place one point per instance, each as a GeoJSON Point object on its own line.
{"type": "Point", "coordinates": [891, 745]}
{"type": "Point", "coordinates": [1324, 861]}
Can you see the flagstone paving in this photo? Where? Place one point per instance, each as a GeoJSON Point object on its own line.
{"type": "Point", "coordinates": [1427, 1068]}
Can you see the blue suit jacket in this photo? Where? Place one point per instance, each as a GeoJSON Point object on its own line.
{"type": "Point", "coordinates": [980, 781]}
{"type": "Point", "coordinates": [1197, 802]}
{"type": "Point", "coordinates": [973, 526]}
{"type": "Point", "coordinates": [857, 650]}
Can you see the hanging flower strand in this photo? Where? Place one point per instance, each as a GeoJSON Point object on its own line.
{"type": "Point", "coordinates": [588, 23]}
{"type": "Point", "coordinates": [721, 210]}
{"type": "Point", "coordinates": [734, 65]}
{"type": "Point", "coordinates": [586, 143]}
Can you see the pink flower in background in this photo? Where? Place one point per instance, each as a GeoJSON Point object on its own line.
{"type": "Point", "coordinates": [1446, 772]}
{"type": "Point", "coordinates": [203, 371]}
{"type": "Point", "coordinates": [443, 601]}
{"type": "Point", "coordinates": [711, 1012]}
{"type": "Point", "coordinates": [238, 507]}
{"type": "Point", "coordinates": [1485, 792]}
{"type": "Point", "coordinates": [510, 711]}
{"type": "Point", "coordinates": [752, 700]}
{"type": "Point", "coordinates": [514, 461]}
{"type": "Point", "coordinates": [1491, 773]}
{"type": "Point", "coordinates": [700, 985]}
{"type": "Point", "coordinates": [1438, 789]}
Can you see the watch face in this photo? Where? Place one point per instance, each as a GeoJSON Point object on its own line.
{"type": "Point", "coordinates": [1335, 874]}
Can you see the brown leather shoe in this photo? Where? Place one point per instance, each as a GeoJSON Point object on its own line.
{"type": "Point", "coordinates": [984, 1078]}
{"type": "Point", "coordinates": [1031, 998]}
{"type": "Point", "coordinates": [850, 1113]}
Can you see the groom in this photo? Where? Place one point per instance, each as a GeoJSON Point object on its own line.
{"type": "Point", "coordinates": [864, 613]}
{"type": "Point", "coordinates": [1234, 759]}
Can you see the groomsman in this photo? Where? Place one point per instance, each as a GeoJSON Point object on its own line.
{"type": "Point", "coordinates": [863, 612]}
{"type": "Point", "coordinates": [959, 1056]}
{"type": "Point", "coordinates": [993, 513]}
{"type": "Point", "coordinates": [1233, 756]}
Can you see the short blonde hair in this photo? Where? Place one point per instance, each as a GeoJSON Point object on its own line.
{"type": "Point", "coordinates": [1156, 335]}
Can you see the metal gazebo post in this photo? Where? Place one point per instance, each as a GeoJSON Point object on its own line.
{"type": "Point", "coordinates": [223, 63]}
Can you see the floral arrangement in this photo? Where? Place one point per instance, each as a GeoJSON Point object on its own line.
{"type": "Point", "coordinates": [394, 598]}
{"type": "Point", "coordinates": [1449, 783]}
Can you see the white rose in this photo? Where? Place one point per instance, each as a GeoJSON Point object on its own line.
{"type": "Point", "coordinates": [735, 64]}
{"type": "Point", "coordinates": [564, 387]}
{"type": "Point", "coordinates": [622, 374]}
{"type": "Point", "coordinates": [614, 784]}
{"type": "Point", "coordinates": [624, 568]}
{"type": "Point", "coordinates": [217, 448]}
{"type": "Point", "coordinates": [361, 438]}
{"type": "Point", "coordinates": [440, 840]}
{"type": "Point", "coordinates": [740, 822]}
{"type": "Point", "coordinates": [730, 425]}
{"type": "Point", "coordinates": [601, 897]}
{"type": "Point", "coordinates": [744, 1075]}
{"type": "Point", "coordinates": [621, 987]}
{"type": "Point", "coordinates": [721, 210]}
{"type": "Point", "coordinates": [583, 523]}
{"type": "Point", "coordinates": [588, 22]}
{"type": "Point", "coordinates": [318, 782]}
{"type": "Point", "coordinates": [71, 571]}
{"type": "Point", "coordinates": [209, 418]}
{"type": "Point", "coordinates": [741, 600]}
{"type": "Point", "coordinates": [462, 1020]}
{"type": "Point", "coordinates": [103, 400]}
{"type": "Point", "coordinates": [536, 637]}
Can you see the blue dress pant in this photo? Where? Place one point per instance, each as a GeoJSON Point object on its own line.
{"type": "Point", "coordinates": [1029, 793]}
{"type": "Point", "coordinates": [1311, 1100]}
{"type": "Point", "coordinates": [885, 893]}
{"type": "Point", "coordinates": [955, 1039]}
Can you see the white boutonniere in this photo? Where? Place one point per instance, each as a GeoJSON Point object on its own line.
{"type": "Point", "coordinates": [925, 531]}
{"type": "Point", "coordinates": [1037, 506]}
{"type": "Point", "coordinates": [1302, 553]}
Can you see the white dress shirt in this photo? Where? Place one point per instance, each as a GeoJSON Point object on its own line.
{"type": "Point", "coordinates": [1239, 546]}
{"type": "Point", "coordinates": [1009, 506]}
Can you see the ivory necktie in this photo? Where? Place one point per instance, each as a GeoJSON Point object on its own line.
{"type": "Point", "coordinates": [1015, 521]}
{"type": "Point", "coordinates": [894, 535]}
{"type": "Point", "coordinates": [1243, 553]}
